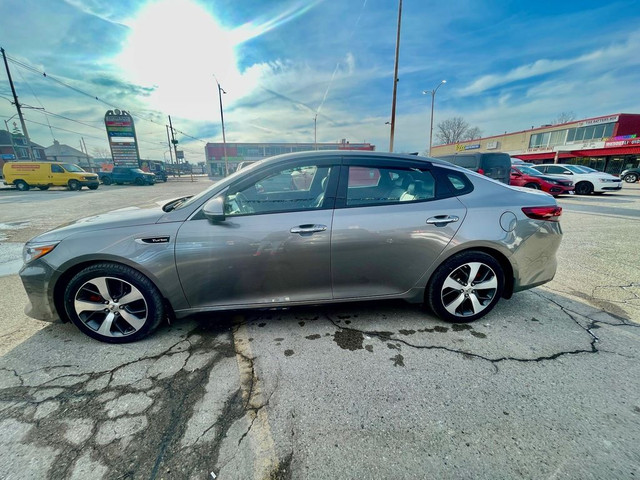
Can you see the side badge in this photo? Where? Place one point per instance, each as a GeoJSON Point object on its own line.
{"type": "Point", "coordinates": [152, 240]}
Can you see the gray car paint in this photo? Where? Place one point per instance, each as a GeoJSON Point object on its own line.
{"type": "Point", "coordinates": [214, 267]}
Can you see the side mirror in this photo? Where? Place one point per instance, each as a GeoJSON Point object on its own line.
{"type": "Point", "coordinates": [214, 209]}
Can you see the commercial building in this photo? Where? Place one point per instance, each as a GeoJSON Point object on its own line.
{"type": "Point", "coordinates": [251, 152]}
{"type": "Point", "coordinates": [610, 143]}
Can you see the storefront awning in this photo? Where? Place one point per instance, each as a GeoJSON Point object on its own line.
{"type": "Point", "coordinates": [541, 156]}
{"type": "Point", "coordinates": [606, 152]}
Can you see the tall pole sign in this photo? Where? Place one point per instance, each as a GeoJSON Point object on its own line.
{"type": "Point", "coordinates": [122, 138]}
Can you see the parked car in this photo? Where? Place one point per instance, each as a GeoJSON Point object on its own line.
{"type": "Point", "coordinates": [122, 175]}
{"type": "Point", "coordinates": [493, 165]}
{"type": "Point", "coordinates": [424, 231]}
{"type": "Point", "coordinates": [517, 161]}
{"type": "Point", "coordinates": [631, 175]}
{"type": "Point", "coordinates": [25, 175]}
{"type": "Point", "coordinates": [585, 182]}
{"type": "Point", "coordinates": [525, 176]}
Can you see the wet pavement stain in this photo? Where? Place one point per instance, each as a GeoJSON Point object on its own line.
{"type": "Point", "coordinates": [391, 346]}
{"type": "Point", "coordinates": [288, 353]}
{"type": "Point", "coordinates": [301, 324]}
{"type": "Point", "coordinates": [278, 339]}
{"type": "Point", "coordinates": [261, 325]}
{"type": "Point", "coordinates": [349, 339]}
{"type": "Point", "coordinates": [398, 361]}
{"type": "Point", "coordinates": [406, 332]}
{"type": "Point", "coordinates": [313, 337]}
{"type": "Point", "coordinates": [347, 322]}
{"type": "Point", "coordinates": [369, 348]}
{"type": "Point", "coordinates": [460, 327]}
{"type": "Point", "coordinates": [479, 334]}
{"type": "Point", "coordinates": [437, 329]}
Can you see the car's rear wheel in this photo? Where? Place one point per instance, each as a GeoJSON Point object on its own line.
{"type": "Point", "coordinates": [139, 181]}
{"type": "Point", "coordinates": [22, 185]}
{"type": "Point", "coordinates": [107, 181]}
{"type": "Point", "coordinates": [74, 185]}
{"type": "Point", "coordinates": [584, 188]}
{"type": "Point", "coordinates": [465, 287]}
{"type": "Point", "coordinates": [535, 186]}
{"type": "Point", "coordinates": [631, 177]}
{"type": "Point", "coordinates": [113, 303]}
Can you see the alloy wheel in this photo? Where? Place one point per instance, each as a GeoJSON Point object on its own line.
{"type": "Point", "coordinates": [469, 289]}
{"type": "Point", "coordinates": [111, 307]}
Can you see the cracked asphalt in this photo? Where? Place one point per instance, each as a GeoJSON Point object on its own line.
{"type": "Point", "coordinates": [546, 386]}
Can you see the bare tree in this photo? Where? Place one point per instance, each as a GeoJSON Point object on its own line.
{"type": "Point", "coordinates": [456, 129]}
{"type": "Point", "coordinates": [564, 117]}
{"type": "Point", "coordinates": [472, 133]}
{"type": "Point", "coordinates": [101, 152]}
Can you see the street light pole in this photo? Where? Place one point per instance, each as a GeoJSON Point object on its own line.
{"type": "Point", "coordinates": [395, 80]}
{"type": "Point", "coordinates": [433, 101]}
{"type": "Point", "coordinates": [224, 138]}
{"type": "Point", "coordinates": [315, 132]}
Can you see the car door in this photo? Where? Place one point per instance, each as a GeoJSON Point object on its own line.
{"type": "Point", "coordinates": [58, 175]}
{"type": "Point", "coordinates": [388, 231]}
{"type": "Point", "coordinates": [273, 246]}
{"type": "Point", "coordinates": [517, 177]}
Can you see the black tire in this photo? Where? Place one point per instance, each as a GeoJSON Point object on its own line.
{"type": "Point", "coordinates": [22, 185]}
{"type": "Point", "coordinates": [74, 185]}
{"type": "Point", "coordinates": [584, 188]}
{"type": "Point", "coordinates": [106, 319]}
{"type": "Point", "coordinates": [139, 181]}
{"type": "Point", "coordinates": [44, 187]}
{"type": "Point", "coordinates": [535, 186]}
{"type": "Point", "coordinates": [631, 177]}
{"type": "Point", "coordinates": [457, 304]}
{"type": "Point", "coordinates": [93, 187]}
{"type": "Point", "coordinates": [119, 183]}
{"type": "Point", "coordinates": [107, 180]}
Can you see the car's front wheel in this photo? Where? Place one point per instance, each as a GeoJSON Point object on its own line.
{"type": "Point", "coordinates": [535, 186]}
{"type": "Point", "coordinates": [465, 287]}
{"type": "Point", "coordinates": [584, 188]}
{"type": "Point", "coordinates": [22, 185]}
{"type": "Point", "coordinates": [74, 185]}
{"type": "Point", "coordinates": [107, 180]}
{"type": "Point", "coordinates": [631, 177]}
{"type": "Point", "coordinates": [113, 303]}
{"type": "Point", "coordinates": [139, 181]}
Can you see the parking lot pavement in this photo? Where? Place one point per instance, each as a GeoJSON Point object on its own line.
{"type": "Point", "coordinates": [546, 386]}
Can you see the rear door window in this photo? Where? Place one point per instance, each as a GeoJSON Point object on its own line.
{"type": "Point", "coordinates": [378, 186]}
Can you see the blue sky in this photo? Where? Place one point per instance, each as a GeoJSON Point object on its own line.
{"type": "Point", "coordinates": [509, 65]}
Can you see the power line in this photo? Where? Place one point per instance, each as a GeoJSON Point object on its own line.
{"type": "Point", "coordinates": [93, 97]}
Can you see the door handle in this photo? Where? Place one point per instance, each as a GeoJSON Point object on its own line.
{"type": "Point", "coordinates": [309, 228]}
{"type": "Point", "coordinates": [441, 220]}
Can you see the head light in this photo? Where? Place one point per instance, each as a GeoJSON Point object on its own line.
{"type": "Point", "coordinates": [30, 252]}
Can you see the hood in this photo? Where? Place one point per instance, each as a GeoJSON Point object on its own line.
{"type": "Point", "coordinates": [556, 178]}
{"type": "Point", "coordinates": [124, 217]}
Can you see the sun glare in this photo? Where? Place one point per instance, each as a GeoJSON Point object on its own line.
{"type": "Point", "coordinates": [177, 46]}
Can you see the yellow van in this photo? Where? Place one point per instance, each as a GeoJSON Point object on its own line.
{"type": "Point", "coordinates": [43, 175]}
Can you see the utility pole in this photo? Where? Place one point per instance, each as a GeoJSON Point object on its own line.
{"type": "Point", "coordinates": [169, 143]}
{"type": "Point", "coordinates": [224, 138]}
{"type": "Point", "coordinates": [17, 104]}
{"type": "Point", "coordinates": [395, 80]}
{"type": "Point", "coordinates": [86, 152]}
{"type": "Point", "coordinates": [175, 146]}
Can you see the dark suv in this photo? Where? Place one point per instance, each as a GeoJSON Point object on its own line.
{"type": "Point", "coordinates": [122, 175]}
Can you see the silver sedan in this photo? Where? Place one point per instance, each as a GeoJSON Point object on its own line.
{"type": "Point", "coordinates": [314, 227]}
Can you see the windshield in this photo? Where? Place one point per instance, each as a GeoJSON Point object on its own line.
{"type": "Point", "coordinates": [575, 169]}
{"type": "Point", "coordinates": [528, 170]}
{"type": "Point", "coordinates": [69, 167]}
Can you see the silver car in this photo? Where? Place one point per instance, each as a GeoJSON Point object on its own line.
{"type": "Point", "coordinates": [306, 228]}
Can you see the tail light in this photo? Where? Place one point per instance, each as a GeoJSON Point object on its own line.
{"type": "Point", "coordinates": [480, 171]}
{"type": "Point", "coordinates": [551, 214]}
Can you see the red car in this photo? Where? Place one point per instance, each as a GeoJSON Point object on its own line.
{"type": "Point", "coordinates": [524, 176]}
